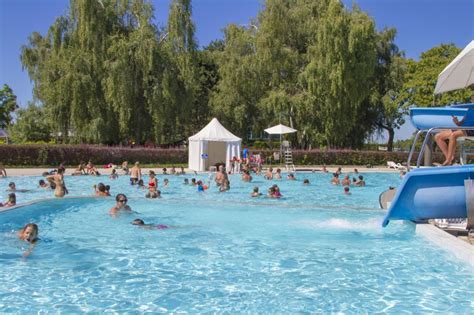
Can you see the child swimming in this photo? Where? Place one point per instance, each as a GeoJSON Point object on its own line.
{"type": "Point", "coordinates": [142, 224]}
{"type": "Point", "coordinates": [29, 233]}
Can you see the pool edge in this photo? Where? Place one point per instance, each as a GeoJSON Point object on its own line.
{"type": "Point", "coordinates": [447, 242]}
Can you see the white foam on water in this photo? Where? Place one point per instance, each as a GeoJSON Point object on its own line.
{"type": "Point", "coordinates": [341, 224]}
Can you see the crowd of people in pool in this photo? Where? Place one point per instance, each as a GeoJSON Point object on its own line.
{"type": "Point", "coordinates": [54, 180]}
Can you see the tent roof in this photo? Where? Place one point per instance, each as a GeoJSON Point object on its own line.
{"type": "Point", "coordinates": [279, 130]}
{"type": "Point", "coordinates": [459, 73]}
{"type": "Point", "coordinates": [3, 134]}
{"type": "Point", "coordinates": [214, 131]}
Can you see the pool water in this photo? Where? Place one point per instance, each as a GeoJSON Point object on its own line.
{"type": "Point", "coordinates": [315, 250]}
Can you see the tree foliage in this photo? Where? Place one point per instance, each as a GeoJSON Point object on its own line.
{"type": "Point", "coordinates": [8, 105]}
{"type": "Point", "coordinates": [31, 125]}
{"type": "Point", "coordinates": [104, 73]}
{"type": "Point", "coordinates": [421, 77]}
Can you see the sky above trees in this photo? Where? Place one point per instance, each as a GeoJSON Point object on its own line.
{"type": "Point", "coordinates": [421, 25]}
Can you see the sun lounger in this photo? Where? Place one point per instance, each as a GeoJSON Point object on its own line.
{"type": "Point", "coordinates": [397, 166]}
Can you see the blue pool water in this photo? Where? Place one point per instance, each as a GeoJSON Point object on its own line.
{"type": "Point", "coordinates": [315, 250]}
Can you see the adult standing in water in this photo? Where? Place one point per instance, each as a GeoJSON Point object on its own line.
{"type": "Point", "coordinates": [135, 173]}
{"type": "Point", "coordinates": [3, 171]}
{"type": "Point", "coordinates": [221, 176]}
{"type": "Point", "coordinates": [58, 180]}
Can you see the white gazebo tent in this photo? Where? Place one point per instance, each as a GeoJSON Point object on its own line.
{"type": "Point", "coordinates": [211, 145]}
{"type": "Point", "coordinates": [459, 73]}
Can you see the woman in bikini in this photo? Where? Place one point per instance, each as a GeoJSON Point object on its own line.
{"type": "Point", "coordinates": [152, 185]}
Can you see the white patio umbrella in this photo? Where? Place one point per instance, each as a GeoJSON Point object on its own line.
{"type": "Point", "coordinates": [280, 130]}
{"type": "Point", "coordinates": [459, 73]}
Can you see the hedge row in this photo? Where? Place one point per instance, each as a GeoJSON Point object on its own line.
{"type": "Point", "coordinates": [20, 155]}
{"type": "Point", "coordinates": [52, 155]}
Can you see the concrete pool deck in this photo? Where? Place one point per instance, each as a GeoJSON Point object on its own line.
{"type": "Point", "coordinates": [300, 168]}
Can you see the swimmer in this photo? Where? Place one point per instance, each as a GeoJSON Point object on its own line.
{"type": "Point", "coordinates": [225, 185]}
{"type": "Point", "coordinates": [360, 182]}
{"type": "Point", "coordinates": [165, 182]}
{"type": "Point", "coordinates": [291, 176]}
{"type": "Point", "coordinates": [164, 170]}
{"type": "Point", "coordinates": [193, 182]}
{"type": "Point", "coordinates": [335, 179]}
{"type": "Point", "coordinates": [152, 182]}
{"type": "Point", "coordinates": [246, 177]}
{"type": "Point", "coordinates": [186, 181]}
{"type": "Point", "coordinates": [125, 167]}
{"type": "Point", "coordinates": [135, 173]}
{"type": "Point", "coordinates": [29, 233]}
{"type": "Point", "coordinates": [114, 174]}
{"type": "Point", "coordinates": [121, 205]}
{"type": "Point", "coordinates": [346, 181]}
{"type": "Point", "coordinates": [43, 184]}
{"type": "Point", "coordinates": [142, 224]}
{"type": "Point", "coordinates": [101, 190]}
{"type": "Point", "coordinates": [153, 194]}
{"type": "Point", "coordinates": [339, 171]}
{"type": "Point", "coordinates": [356, 171]}
{"type": "Point", "coordinates": [201, 186]}
{"type": "Point", "coordinates": [182, 171]}
{"type": "Point", "coordinates": [278, 174]}
{"type": "Point", "coordinates": [3, 171]}
{"type": "Point", "coordinates": [10, 202]}
{"type": "Point", "coordinates": [58, 180]}
{"type": "Point", "coordinates": [221, 176]}
{"type": "Point", "coordinates": [173, 170]}
{"type": "Point", "coordinates": [274, 192]}
{"type": "Point", "coordinates": [269, 174]}
{"type": "Point", "coordinates": [305, 181]}
{"type": "Point", "coordinates": [255, 192]}
{"type": "Point", "coordinates": [346, 190]}
{"type": "Point", "coordinates": [80, 170]}
{"type": "Point", "coordinates": [12, 188]}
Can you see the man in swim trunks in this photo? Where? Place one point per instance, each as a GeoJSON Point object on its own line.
{"type": "Point", "coordinates": [135, 173]}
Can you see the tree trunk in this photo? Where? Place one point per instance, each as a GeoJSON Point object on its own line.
{"type": "Point", "coordinates": [391, 135]}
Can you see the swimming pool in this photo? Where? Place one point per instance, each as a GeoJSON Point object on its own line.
{"type": "Point", "coordinates": [315, 250]}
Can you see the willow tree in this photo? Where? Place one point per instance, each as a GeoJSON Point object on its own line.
{"type": "Point", "coordinates": [237, 93]}
{"type": "Point", "coordinates": [44, 57]}
{"type": "Point", "coordinates": [342, 60]}
{"type": "Point", "coordinates": [179, 83]}
{"type": "Point", "coordinates": [284, 33]}
{"type": "Point", "coordinates": [133, 76]}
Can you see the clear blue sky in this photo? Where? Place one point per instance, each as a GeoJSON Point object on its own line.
{"type": "Point", "coordinates": [421, 25]}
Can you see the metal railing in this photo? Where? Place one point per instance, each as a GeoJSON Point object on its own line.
{"type": "Point", "coordinates": [425, 142]}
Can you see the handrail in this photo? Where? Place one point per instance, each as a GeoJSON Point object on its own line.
{"type": "Point", "coordinates": [425, 142]}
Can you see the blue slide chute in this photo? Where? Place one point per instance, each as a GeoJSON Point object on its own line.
{"type": "Point", "coordinates": [431, 193]}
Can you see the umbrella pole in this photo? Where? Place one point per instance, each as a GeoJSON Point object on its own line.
{"type": "Point", "coordinates": [281, 150]}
